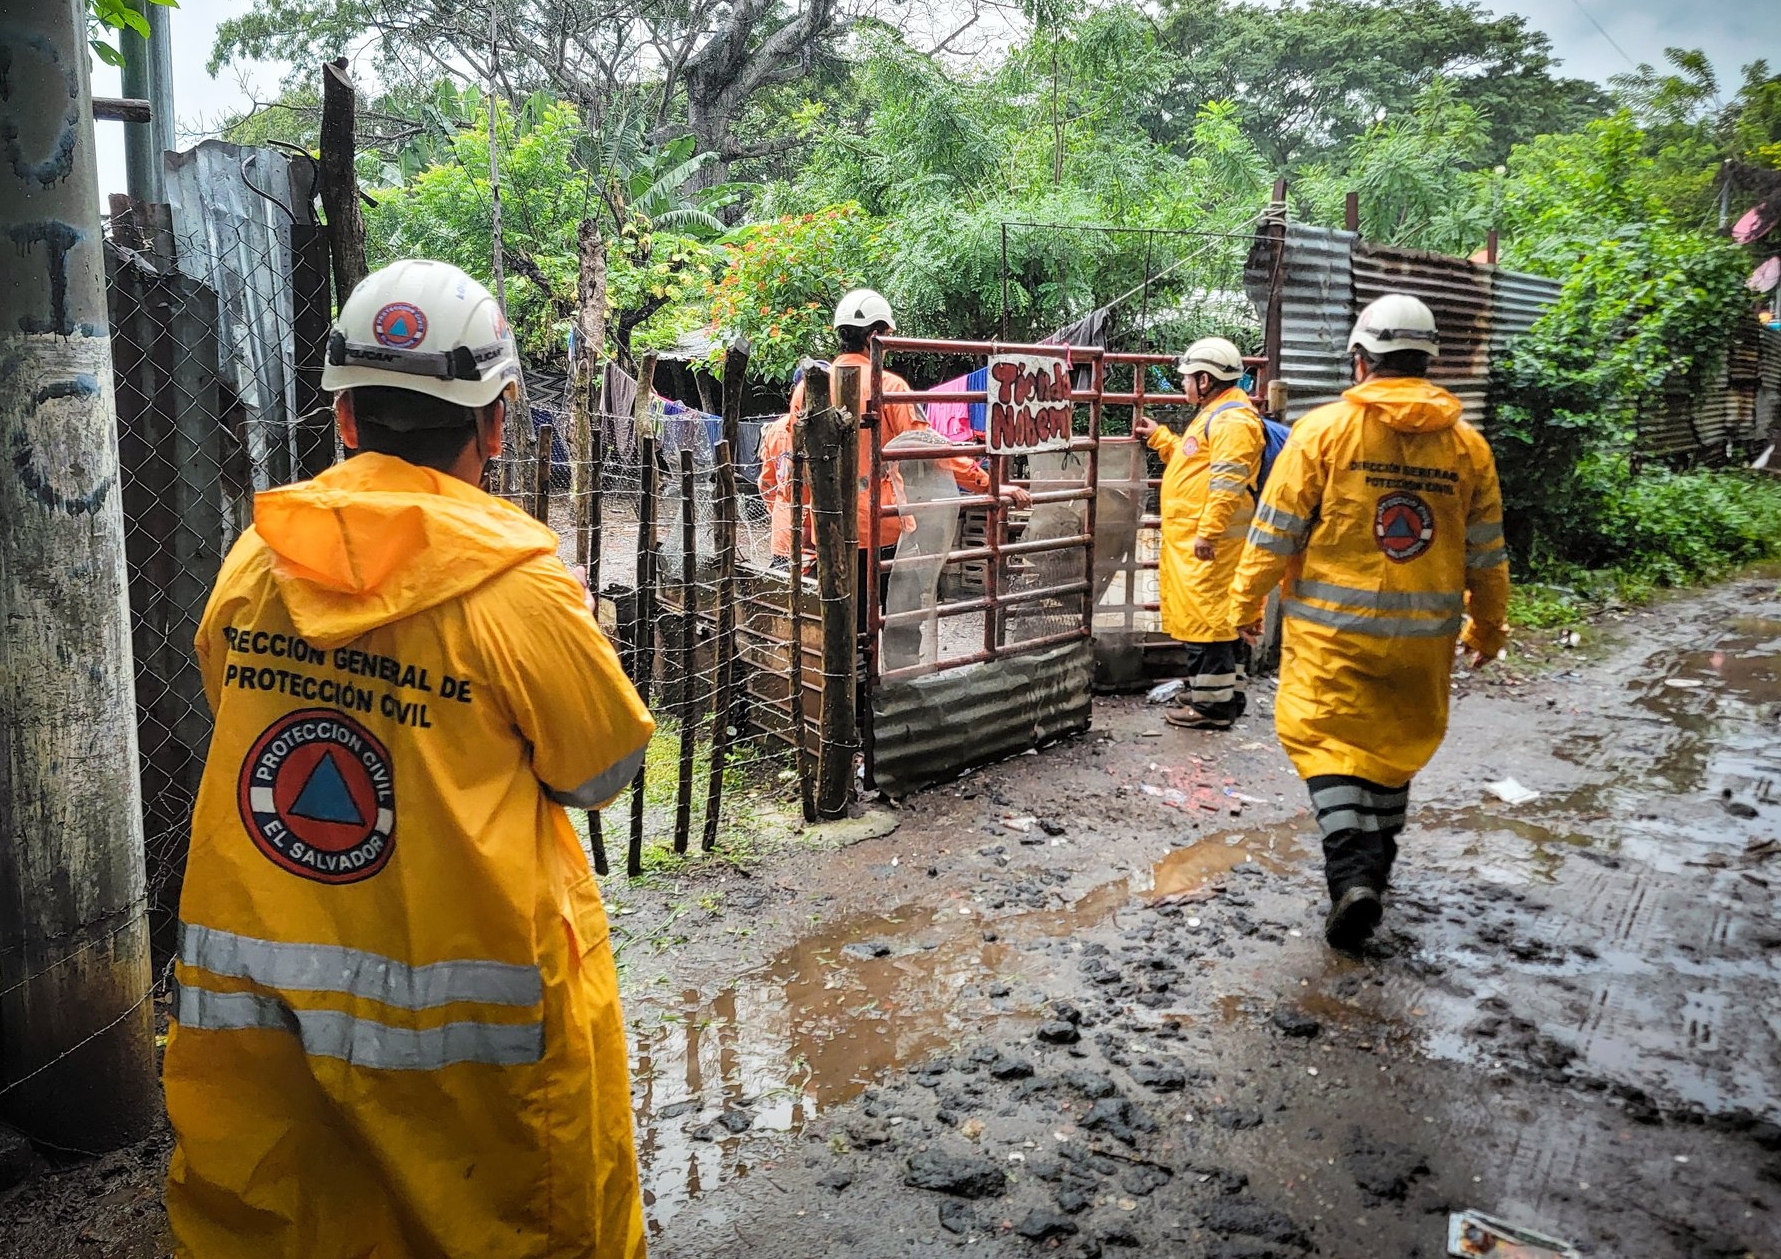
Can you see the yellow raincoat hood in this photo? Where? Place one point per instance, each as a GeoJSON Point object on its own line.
{"type": "Point", "coordinates": [1408, 404]}
{"type": "Point", "coordinates": [376, 539]}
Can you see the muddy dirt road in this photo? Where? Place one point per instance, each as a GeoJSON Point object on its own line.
{"type": "Point", "coordinates": [1079, 1003]}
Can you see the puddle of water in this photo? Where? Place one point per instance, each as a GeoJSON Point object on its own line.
{"type": "Point", "coordinates": [818, 1025]}
{"type": "Point", "coordinates": [1198, 866]}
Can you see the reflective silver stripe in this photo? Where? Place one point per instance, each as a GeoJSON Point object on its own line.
{"type": "Point", "coordinates": [1231, 465]}
{"type": "Point", "coordinates": [1484, 534]}
{"type": "Point", "coordinates": [1367, 823]}
{"type": "Point", "coordinates": [602, 787]}
{"type": "Point", "coordinates": [1486, 559]}
{"type": "Point", "coordinates": [1349, 796]}
{"type": "Point", "coordinates": [1273, 542]}
{"type": "Point", "coordinates": [1285, 521]}
{"type": "Point", "coordinates": [1381, 600]}
{"type": "Point", "coordinates": [333, 968]}
{"type": "Point", "coordinates": [362, 1042]}
{"type": "Point", "coordinates": [1378, 626]}
{"type": "Point", "coordinates": [1212, 679]}
{"type": "Point", "coordinates": [1227, 485]}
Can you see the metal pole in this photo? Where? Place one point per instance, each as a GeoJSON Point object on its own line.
{"type": "Point", "coordinates": [76, 1015]}
{"type": "Point", "coordinates": [148, 74]}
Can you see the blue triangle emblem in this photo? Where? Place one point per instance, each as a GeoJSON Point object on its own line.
{"type": "Point", "coordinates": [399, 328]}
{"type": "Point", "coordinates": [324, 797]}
{"type": "Point", "coordinates": [1399, 528]}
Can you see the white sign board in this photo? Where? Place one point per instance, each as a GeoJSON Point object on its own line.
{"type": "Point", "coordinates": [1029, 404]}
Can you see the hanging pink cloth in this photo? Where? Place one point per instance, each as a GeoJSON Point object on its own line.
{"type": "Point", "coordinates": [952, 420]}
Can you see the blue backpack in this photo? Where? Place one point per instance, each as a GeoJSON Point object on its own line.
{"type": "Point", "coordinates": [1274, 433]}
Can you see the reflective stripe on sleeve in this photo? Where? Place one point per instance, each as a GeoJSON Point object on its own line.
{"type": "Point", "coordinates": [1366, 623]}
{"type": "Point", "coordinates": [1226, 485]}
{"type": "Point", "coordinates": [1476, 560]}
{"type": "Point", "coordinates": [603, 786]}
{"type": "Point", "coordinates": [334, 968]}
{"type": "Point", "coordinates": [1381, 600]}
{"type": "Point", "coordinates": [1232, 467]}
{"type": "Point", "coordinates": [1273, 542]}
{"type": "Point", "coordinates": [362, 1042]}
{"type": "Point", "coordinates": [1284, 521]}
{"type": "Point", "coordinates": [1484, 534]}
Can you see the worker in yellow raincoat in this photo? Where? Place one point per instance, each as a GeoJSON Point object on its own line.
{"type": "Point", "coordinates": [397, 1030]}
{"type": "Point", "coordinates": [1207, 502]}
{"type": "Point", "coordinates": [1384, 513]}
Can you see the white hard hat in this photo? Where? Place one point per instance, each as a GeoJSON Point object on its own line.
{"type": "Point", "coordinates": [862, 308]}
{"type": "Point", "coordinates": [1215, 356]}
{"type": "Point", "coordinates": [424, 326]}
{"type": "Point", "coordinates": [1394, 322]}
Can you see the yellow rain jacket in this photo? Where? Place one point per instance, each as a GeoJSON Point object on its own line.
{"type": "Point", "coordinates": [397, 1030]}
{"type": "Point", "coordinates": [1383, 511]}
{"type": "Point", "coordinates": [1208, 487]}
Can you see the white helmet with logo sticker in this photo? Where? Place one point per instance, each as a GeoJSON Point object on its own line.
{"type": "Point", "coordinates": [1396, 321]}
{"type": "Point", "coordinates": [424, 326]}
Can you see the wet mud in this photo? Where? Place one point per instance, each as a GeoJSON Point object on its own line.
{"type": "Point", "coordinates": [1079, 1004]}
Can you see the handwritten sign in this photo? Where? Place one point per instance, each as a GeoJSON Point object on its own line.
{"type": "Point", "coordinates": [1029, 404]}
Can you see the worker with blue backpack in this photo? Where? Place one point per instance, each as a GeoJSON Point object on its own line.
{"type": "Point", "coordinates": [1213, 474]}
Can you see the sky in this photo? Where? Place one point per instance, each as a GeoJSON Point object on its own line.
{"type": "Point", "coordinates": [1732, 32]}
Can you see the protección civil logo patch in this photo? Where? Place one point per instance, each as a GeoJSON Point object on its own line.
{"type": "Point", "coordinates": [400, 325]}
{"type": "Point", "coordinates": [1403, 526]}
{"type": "Point", "coordinates": [318, 797]}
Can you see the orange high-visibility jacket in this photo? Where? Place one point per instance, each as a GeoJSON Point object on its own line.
{"type": "Point", "coordinates": [775, 481]}
{"type": "Point", "coordinates": [1384, 512]}
{"type": "Point", "coordinates": [397, 1030]}
{"type": "Point", "coordinates": [895, 419]}
{"type": "Point", "coordinates": [1208, 492]}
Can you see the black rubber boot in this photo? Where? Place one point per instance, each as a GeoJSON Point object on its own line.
{"type": "Point", "coordinates": [1353, 918]}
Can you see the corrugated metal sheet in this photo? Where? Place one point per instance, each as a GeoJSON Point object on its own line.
{"type": "Point", "coordinates": [1768, 390]}
{"type": "Point", "coordinates": [233, 209]}
{"type": "Point", "coordinates": [1459, 294]}
{"type": "Point", "coordinates": [929, 729]}
{"type": "Point", "coordinates": [1317, 313]}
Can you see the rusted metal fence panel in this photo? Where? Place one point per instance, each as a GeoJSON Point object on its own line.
{"type": "Point", "coordinates": [1317, 312]}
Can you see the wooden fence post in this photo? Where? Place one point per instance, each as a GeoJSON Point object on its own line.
{"type": "Point", "coordinates": [541, 474]}
{"type": "Point", "coordinates": [689, 628]}
{"type": "Point", "coordinates": [339, 185]}
{"type": "Point", "coordinates": [832, 440]}
{"type": "Point", "coordinates": [800, 731]}
{"type": "Point", "coordinates": [643, 637]}
{"type": "Point", "coordinates": [724, 701]}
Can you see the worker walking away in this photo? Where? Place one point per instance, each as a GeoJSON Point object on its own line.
{"type": "Point", "coordinates": [397, 1030]}
{"type": "Point", "coordinates": [1384, 514]}
{"type": "Point", "coordinates": [1208, 498]}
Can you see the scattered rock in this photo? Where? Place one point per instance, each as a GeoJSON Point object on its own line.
{"type": "Point", "coordinates": [1118, 1235]}
{"type": "Point", "coordinates": [950, 1173]}
{"type": "Point", "coordinates": [956, 1217]}
{"type": "Point", "coordinates": [1240, 1215]}
{"type": "Point", "coordinates": [1119, 1119]}
{"type": "Point", "coordinates": [1072, 1200]}
{"type": "Point", "coordinates": [866, 950]}
{"type": "Point", "coordinates": [1222, 1179]}
{"type": "Point", "coordinates": [1058, 1032]}
{"type": "Point", "coordinates": [1235, 1118]}
{"type": "Point", "coordinates": [736, 1120]}
{"type": "Point", "coordinates": [1090, 1084]}
{"type": "Point", "coordinates": [1145, 1179]}
{"type": "Point", "coordinates": [1010, 1068]}
{"type": "Point", "coordinates": [1042, 1226]}
{"type": "Point", "coordinates": [866, 1133]}
{"type": "Point", "coordinates": [837, 1180]}
{"type": "Point", "coordinates": [678, 1109]}
{"type": "Point", "coordinates": [1295, 1022]}
{"type": "Point", "coordinates": [1160, 1077]}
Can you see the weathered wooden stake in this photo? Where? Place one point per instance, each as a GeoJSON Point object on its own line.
{"type": "Point", "coordinates": [541, 473]}
{"type": "Point", "coordinates": [723, 704]}
{"type": "Point", "coordinates": [643, 634]}
{"type": "Point", "coordinates": [806, 783]}
{"type": "Point", "coordinates": [590, 338]}
{"type": "Point", "coordinates": [339, 185]}
{"type": "Point", "coordinates": [689, 628]}
{"type": "Point", "coordinates": [832, 440]}
{"type": "Point", "coordinates": [77, 1056]}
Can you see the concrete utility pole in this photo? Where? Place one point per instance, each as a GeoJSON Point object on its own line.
{"type": "Point", "coordinates": [76, 1019]}
{"type": "Point", "coordinates": [148, 75]}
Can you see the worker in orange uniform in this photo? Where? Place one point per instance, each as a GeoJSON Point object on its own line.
{"type": "Point", "coordinates": [861, 316]}
{"type": "Point", "coordinates": [775, 484]}
{"type": "Point", "coordinates": [397, 1030]}
{"type": "Point", "coordinates": [1208, 498]}
{"type": "Point", "coordinates": [1384, 513]}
